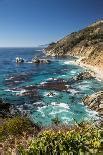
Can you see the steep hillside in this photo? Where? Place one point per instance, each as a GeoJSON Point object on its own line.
{"type": "Point", "coordinates": [86, 43]}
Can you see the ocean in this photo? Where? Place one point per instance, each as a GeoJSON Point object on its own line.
{"type": "Point", "coordinates": [20, 84]}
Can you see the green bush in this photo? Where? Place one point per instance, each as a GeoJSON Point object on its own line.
{"type": "Point", "coordinates": [62, 142]}
{"type": "Point", "coordinates": [15, 126]}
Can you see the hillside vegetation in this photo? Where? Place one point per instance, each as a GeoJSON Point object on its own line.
{"type": "Point", "coordinates": [86, 43]}
{"type": "Point", "coordinates": [20, 137]}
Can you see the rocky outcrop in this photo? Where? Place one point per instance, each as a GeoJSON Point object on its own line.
{"type": "Point", "coordinates": [7, 110]}
{"type": "Point", "coordinates": [87, 43]}
{"type": "Point", "coordinates": [84, 76]}
{"type": "Point", "coordinates": [40, 61]}
{"type": "Point", "coordinates": [95, 102]}
{"type": "Point", "coordinates": [4, 107]}
{"type": "Point", "coordinates": [19, 60]}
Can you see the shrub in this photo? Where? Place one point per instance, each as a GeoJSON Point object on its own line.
{"type": "Point", "coordinates": [62, 142]}
{"type": "Point", "coordinates": [15, 126]}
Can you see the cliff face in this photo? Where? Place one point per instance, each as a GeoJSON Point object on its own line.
{"type": "Point", "coordinates": [86, 43]}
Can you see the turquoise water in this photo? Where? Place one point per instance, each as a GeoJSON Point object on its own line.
{"type": "Point", "coordinates": [67, 105]}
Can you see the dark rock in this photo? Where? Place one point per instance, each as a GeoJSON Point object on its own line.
{"type": "Point", "coordinates": [40, 61]}
{"type": "Point", "coordinates": [36, 61]}
{"type": "Point", "coordinates": [4, 106]}
{"type": "Point", "coordinates": [19, 60]}
{"type": "Point", "coordinates": [84, 75]}
{"type": "Point", "coordinates": [7, 109]}
{"type": "Point", "coordinates": [31, 93]}
{"type": "Point", "coordinates": [17, 79]}
{"type": "Point", "coordinates": [55, 84]}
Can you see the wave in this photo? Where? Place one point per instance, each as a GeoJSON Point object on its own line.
{"type": "Point", "coordinates": [61, 105]}
{"type": "Point", "coordinates": [69, 62]}
{"type": "Point", "coordinates": [51, 94]}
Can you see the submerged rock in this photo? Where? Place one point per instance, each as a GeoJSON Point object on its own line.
{"type": "Point", "coordinates": [29, 91]}
{"type": "Point", "coordinates": [18, 79]}
{"type": "Point", "coordinates": [84, 75]}
{"type": "Point", "coordinates": [55, 84]}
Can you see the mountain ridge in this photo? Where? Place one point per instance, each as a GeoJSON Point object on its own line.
{"type": "Point", "coordinates": [86, 44]}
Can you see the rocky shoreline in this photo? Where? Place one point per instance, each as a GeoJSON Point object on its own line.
{"type": "Point", "coordinates": [32, 92]}
{"type": "Point", "coordinates": [97, 70]}
{"type": "Point", "coordinates": [87, 46]}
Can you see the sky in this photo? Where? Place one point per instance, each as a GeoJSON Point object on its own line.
{"type": "Point", "coordinates": [29, 23]}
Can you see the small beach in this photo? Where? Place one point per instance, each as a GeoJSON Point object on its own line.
{"type": "Point", "coordinates": [98, 70]}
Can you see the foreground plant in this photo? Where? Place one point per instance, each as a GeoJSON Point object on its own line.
{"type": "Point", "coordinates": [15, 126]}
{"type": "Point", "coordinates": [15, 131]}
{"type": "Point", "coordinates": [85, 138]}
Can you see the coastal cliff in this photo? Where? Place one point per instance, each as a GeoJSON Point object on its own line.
{"type": "Point", "coordinates": [86, 44]}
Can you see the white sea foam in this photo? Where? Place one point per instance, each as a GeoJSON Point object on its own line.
{"type": "Point", "coordinates": [7, 90]}
{"type": "Point", "coordinates": [41, 110]}
{"type": "Point", "coordinates": [69, 62]}
{"type": "Point", "coordinates": [53, 103]}
{"type": "Point", "coordinates": [54, 112]}
{"type": "Point", "coordinates": [64, 105]}
{"type": "Point", "coordinates": [63, 75]}
{"type": "Point", "coordinates": [67, 86]}
{"type": "Point", "coordinates": [43, 82]}
{"type": "Point", "coordinates": [13, 91]}
{"type": "Point", "coordinates": [49, 79]}
{"type": "Point", "coordinates": [84, 87]}
{"type": "Point", "coordinates": [10, 78]}
{"type": "Point", "coordinates": [47, 94]}
{"type": "Point", "coordinates": [38, 103]}
{"type": "Point", "coordinates": [54, 79]}
{"type": "Point", "coordinates": [20, 92]}
{"type": "Point", "coordinates": [91, 112]}
{"type": "Point", "coordinates": [66, 118]}
{"type": "Point", "coordinates": [73, 72]}
{"type": "Point", "coordinates": [16, 81]}
{"type": "Point", "coordinates": [73, 91]}
{"type": "Point", "coordinates": [29, 62]}
{"type": "Point", "coordinates": [61, 105]}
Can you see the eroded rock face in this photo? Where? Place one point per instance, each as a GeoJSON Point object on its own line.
{"type": "Point", "coordinates": [84, 75]}
{"type": "Point", "coordinates": [87, 43]}
{"type": "Point", "coordinates": [95, 102]}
